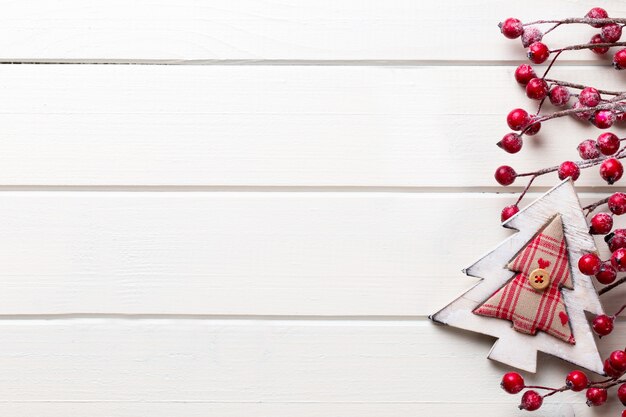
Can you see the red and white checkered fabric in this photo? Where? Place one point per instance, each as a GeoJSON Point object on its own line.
{"type": "Point", "coordinates": [531, 310]}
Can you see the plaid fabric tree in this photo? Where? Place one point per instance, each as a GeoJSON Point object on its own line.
{"type": "Point", "coordinates": [532, 299]}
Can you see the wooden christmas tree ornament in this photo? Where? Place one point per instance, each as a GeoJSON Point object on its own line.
{"type": "Point", "coordinates": [532, 296]}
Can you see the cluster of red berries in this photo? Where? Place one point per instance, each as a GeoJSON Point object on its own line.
{"type": "Point", "coordinates": [577, 381]}
{"type": "Point", "coordinates": [606, 271]}
{"type": "Point", "coordinates": [589, 104]}
{"type": "Point", "coordinates": [538, 52]}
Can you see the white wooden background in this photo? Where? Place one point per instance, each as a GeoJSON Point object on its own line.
{"type": "Point", "coordinates": [257, 220]}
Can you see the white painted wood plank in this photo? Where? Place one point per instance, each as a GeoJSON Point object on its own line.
{"type": "Point", "coordinates": [272, 126]}
{"type": "Point", "coordinates": [301, 409]}
{"type": "Point", "coordinates": [241, 253]}
{"type": "Point", "coordinates": [248, 365]}
{"type": "Point", "coordinates": [325, 30]}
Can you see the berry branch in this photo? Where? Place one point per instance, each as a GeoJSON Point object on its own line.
{"type": "Point", "coordinates": [602, 108]}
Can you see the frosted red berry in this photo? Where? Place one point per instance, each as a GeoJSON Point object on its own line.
{"type": "Point", "coordinates": [603, 119]}
{"type": "Point", "coordinates": [577, 381]}
{"type": "Point", "coordinates": [537, 89]}
{"type": "Point", "coordinates": [512, 382]}
{"type": "Point", "coordinates": [609, 371]}
{"type": "Point", "coordinates": [617, 204]}
{"type": "Point", "coordinates": [597, 13]}
{"type": "Point", "coordinates": [589, 97]}
{"type": "Point", "coordinates": [531, 35]}
{"type": "Point", "coordinates": [600, 50]}
{"type": "Point", "coordinates": [524, 73]}
{"type": "Point", "coordinates": [517, 119]}
{"type": "Point", "coordinates": [608, 143]}
{"type": "Point", "coordinates": [533, 126]}
{"type": "Point", "coordinates": [621, 394]}
{"type": "Point", "coordinates": [611, 32]}
{"type": "Point", "coordinates": [589, 264]}
{"type": "Point", "coordinates": [619, 59]}
{"type": "Point", "coordinates": [587, 149]}
{"type": "Point", "coordinates": [559, 95]}
{"type": "Point", "coordinates": [508, 212]}
{"type": "Point", "coordinates": [531, 401]}
{"type": "Point", "coordinates": [512, 28]}
{"type": "Point", "coordinates": [538, 53]}
{"type": "Point", "coordinates": [616, 239]}
{"type": "Point", "coordinates": [617, 360]}
{"type": "Point", "coordinates": [607, 274]}
{"type": "Point", "coordinates": [602, 325]}
{"type": "Point", "coordinates": [601, 224]}
{"type": "Point", "coordinates": [582, 115]}
{"type": "Point", "coordinates": [611, 170]}
{"type": "Point", "coordinates": [511, 142]}
{"type": "Point", "coordinates": [569, 169]}
{"type": "Point", "coordinates": [596, 396]}
{"type": "Point", "coordinates": [618, 259]}
{"type": "Point", "coordinates": [505, 175]}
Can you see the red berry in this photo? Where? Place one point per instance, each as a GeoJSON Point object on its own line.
{"type": "Point", "coordinates": [524, 73]}
{"type": "Point", "coordinates": [621, 394]}
{"type": "Point", "coordinates": [508, 212]}
{"type": "Point", "coordinates": [617, 204]}
{"type": "Point", "coordinates": [618, 259]}
{"type": "Point", "coordinates": [589, 264]}
{"type": "Point", "coordinates": [608, 143]}
{"type": "Point", "coordinates": [531, 401]}
{"type": "Point", "coordinates": [611, 170]}
{"type": "Point", "coordinates": [619, 59]}
{"type": "Point", "coordinates": [602, 325]}
{"type": "Point", "coordinates": [533, 127]}
{"type": "Point", "coordinates": [582, 115]}
{"type": "Point", "coordinates": [603, 119]}
{"type": "Point", "coordinates": [611, 32]}
{"type": "Point", "coordinates": [596, 396]}
{"type": "Point", "coordinates": [589, 97]}
{"type": "Point", "coordinates": [607, 274]}
{"type": "Point", "coordinates": [616, 240]}
{"type": "Point", "coordinates": [577, 381]}
{"type": "Point", "coordinates": [531, 35]}
{"type": "Point", "coordinates": [617, 360]}
{"type": "Point", "coordinates": [511, 143]}
{"type": "Point", "coordinates": [569, 169]}
{"type": "Point", "coordinates": [505, 175]}
{"type": "Point", "coordinates": [512, 28]}
{"type": "Point", "coordinates": [597, 13]}
{"type": "Point", "coordinates": [601, 224]}
{"type": "Point", "coordinates": [559, 95]}
{"type": "Point", "coordinates": [517, 119]}
{"type": "Point", "coordinates": [512, 383]}
{"type": "Point", "coordinates": [537, 89]}
{"type": "Point", "coordinates": [587, 149]}
{"type": "Point", "coordinates": [538, 52]}
{"type": "Point", "coordinates": [600, 50]}
{"type": "Point", "coordinates": [610, 371]}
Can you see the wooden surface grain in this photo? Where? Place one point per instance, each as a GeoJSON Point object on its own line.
{"type": "Point", "coordinates": [258, 214]}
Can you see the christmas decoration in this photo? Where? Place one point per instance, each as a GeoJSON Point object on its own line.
{"type": "Point", "coordinates": [519, 280]}
{"type": "Point", "coordinates": [529, 279]}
